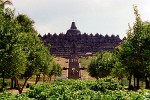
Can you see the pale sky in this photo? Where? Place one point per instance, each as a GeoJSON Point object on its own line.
{"type": "Point", "coordinates": [91, 16]}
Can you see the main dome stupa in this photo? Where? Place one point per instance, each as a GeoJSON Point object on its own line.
{"type": "Point", "coordinates": [73, 31]}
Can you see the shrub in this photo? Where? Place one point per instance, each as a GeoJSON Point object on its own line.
{"type": "Point", "coordinates": [107, 83]}
{"type": "Point", "coordinates": [103, 89]}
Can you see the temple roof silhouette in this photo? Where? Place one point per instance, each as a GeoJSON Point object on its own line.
{"type": "Point", "coordinates": [76, 43]}
{"type": "Point", "coordinates": [73, 30]}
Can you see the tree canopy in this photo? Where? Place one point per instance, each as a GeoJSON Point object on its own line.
{"type": "Point", "coordinates": [101, 65]}
{"type": "Point", "coordinates": [22, 53]}
{"type": "Point", "coordinates": [134, 53]}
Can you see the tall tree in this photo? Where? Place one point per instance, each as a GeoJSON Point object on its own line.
{"type": "Point", "coordinates": [134, 51]}
{"type": "Point", "coordinates": [8, 42]}
{"type": "Point", "coordinates": [123, 63]}
{"type": "Point", "coordinates": [22, 54]}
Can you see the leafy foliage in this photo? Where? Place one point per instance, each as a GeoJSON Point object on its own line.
{"type": "Point", "coordinates": [22, 53]}
{"type": "Point", "coordinates": [105, 84]}
{"type": "Point", "coordinates": [72, 89]}
{"type": "Point", "coordinates": [56, 70]}
{"type": "Point", "coordinates": [101, 65]}
{"type": "Point", "coordinates": [26, 24]}
{"type": "Point", "coordinates": [134, 53]}
{"type": "Point", "coordinates": [79, 89]}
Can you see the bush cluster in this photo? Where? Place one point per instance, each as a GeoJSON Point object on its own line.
{"type": "Point", "coordinates": [102, 89]}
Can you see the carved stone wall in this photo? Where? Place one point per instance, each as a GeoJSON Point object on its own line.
{"type": "Point", "coordinates": [61, 45]}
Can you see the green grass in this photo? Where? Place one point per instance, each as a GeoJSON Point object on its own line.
{"type": "Point", "coordinates": [85, 61]}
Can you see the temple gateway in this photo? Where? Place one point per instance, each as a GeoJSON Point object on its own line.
{"type": "Point", "coordinates": [62, 45]}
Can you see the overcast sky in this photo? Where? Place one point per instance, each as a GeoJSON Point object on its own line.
{"type": "Point", "coordinates": [91, 16]}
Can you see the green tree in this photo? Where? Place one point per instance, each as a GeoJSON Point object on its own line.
{"type": "Point", "coordinates": [38, 58]}
{"type": "Point", "coordinates": [26, 24]}
{"type": "Point", "coordinates": [93, 68]}
{"type": "Point", "coordinates": [101, 65]}
{"type": "Point", "coordinates": [118, 70]}
{"type": "Point", "coordinates": [22, 54]}
{"type": "Point", "coordinates": [134, 51]}
{"type": "Point", "coordinates": [145, 39]}
{"type": "Point", "coordinates": [45, 63]}
{"type": "Point", "coordinates": [56, 71]}
{"type": "Point", "coordinates": [138, 39]}
{"type": "Point", "coordinates": [10, 50]}
{"type": "Point", "coordinates": [30, 43]}
{"type": "Point", "coordinates": [123, 66]}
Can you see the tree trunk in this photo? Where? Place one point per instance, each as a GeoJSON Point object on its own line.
{"type": "Point", "coordinates": [37, 79]}
{"type": "Point", "coordinates": [134, 82]}
{"type": "Point", "coordinates": [129, 82]}
{"type": "Point", "coordinates": [43, 78]}
{"type": "Point", "coordinates": [147, 83]}
{"type": "Point", "coordinates": [130, 87]}
{"type": "Point", "coordinates": [20, 89]}
{"type": "Point", "coordinates": [50, 78]}
{"type": "Point", "coordinates": [15, 85]}
{"type": "Point", "coordinates": [3, 86]}
{"type": "Point", "coordinates": [12, 83]}
{"type": "Point", "coordinates": [138, 81]}
{"type": "Point", "coordinates": [26, 79]}
{"type": "Point", "coordinates": [96, 78]}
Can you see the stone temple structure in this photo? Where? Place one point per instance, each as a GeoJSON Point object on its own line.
{"type": "Point", "coordinates": [74, 65]}
{"type": "Point", "coordinates": [62, 44]}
